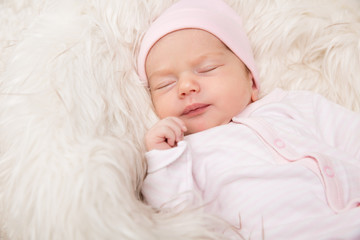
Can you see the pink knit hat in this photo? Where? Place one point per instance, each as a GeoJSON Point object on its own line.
{"type": "Point", "coordinates": [213, 16]}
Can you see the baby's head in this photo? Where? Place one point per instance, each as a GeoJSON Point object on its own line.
{"type": "Point", "coordinates": [198, 63]}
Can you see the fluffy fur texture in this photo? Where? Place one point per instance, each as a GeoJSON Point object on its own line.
{"type": "Point", "coordinates": [73, 115]}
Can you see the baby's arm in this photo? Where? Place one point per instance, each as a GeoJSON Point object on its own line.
{"type": "Point", "coordinates": [165, 134]}
{"type": "Point", "coordinates": [169, 179]}
{"type": "Point", "coordinates": [169, 174]}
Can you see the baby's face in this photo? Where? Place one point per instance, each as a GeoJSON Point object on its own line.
{"type": "Point", "coordinates": [195, 77]}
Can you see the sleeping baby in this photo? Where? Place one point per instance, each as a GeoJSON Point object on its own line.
{"type": "Point", "coordinates": [286, 165]}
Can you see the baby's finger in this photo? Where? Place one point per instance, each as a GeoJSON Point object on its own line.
{"type": "Point", "coordinates": [171, 140]}
{"type": "Point", "coordinates": [181, 123]}
{"type": "Point", "coordinates": [177, 127]}
{"type": "Point", "coordinates": [170, 134]}
{"type": "Point", "coordinates": [164, 134]}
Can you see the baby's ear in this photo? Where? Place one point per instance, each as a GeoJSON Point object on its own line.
{"type": "Point", "coordinates": [255, 94]}
{"type": "Point", "coordinates": [255, 90]}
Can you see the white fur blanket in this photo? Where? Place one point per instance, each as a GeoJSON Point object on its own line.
{"type": "Point", "coordinates": [72, 114]}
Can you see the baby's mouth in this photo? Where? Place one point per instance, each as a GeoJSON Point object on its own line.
{"type": "Point", "coordinates": [195, 109]}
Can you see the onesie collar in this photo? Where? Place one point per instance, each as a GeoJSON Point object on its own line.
{"type": "Point", "coordinates": [275, 96]}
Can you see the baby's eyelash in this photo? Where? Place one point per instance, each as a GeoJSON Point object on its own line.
{"type": "Point", "coordinates": [207, 68]}
{"type": "Point", "coordinates": [164, 85]}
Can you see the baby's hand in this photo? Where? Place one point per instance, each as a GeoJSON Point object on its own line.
{"type": "Point", "coordinates": [165, 134]}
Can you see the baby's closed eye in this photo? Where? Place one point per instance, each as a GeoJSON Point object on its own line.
{"type": "Point", "coordinates": [208, 68]}
{"type": "Point", "coordinates": [164, 82]}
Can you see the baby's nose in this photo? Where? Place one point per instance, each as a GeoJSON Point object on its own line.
{"type": "Point", "coordinates": [188, 84]}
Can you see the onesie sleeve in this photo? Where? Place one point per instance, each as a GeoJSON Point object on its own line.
{"type": "Point", "coordinates": [169, 180]}
{"type": "Point", "coordinates": [338, 126]}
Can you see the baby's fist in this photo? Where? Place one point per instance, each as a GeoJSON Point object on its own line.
{"type": "Point", "coordinates": [165, 134]}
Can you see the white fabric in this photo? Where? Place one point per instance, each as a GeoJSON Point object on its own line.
{"type": "Point", "coordinates": [290, 159]}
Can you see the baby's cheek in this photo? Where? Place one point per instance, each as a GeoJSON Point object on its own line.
{"type": "Point", "coordinates": [163, 112]}
{"type": "Point", "coordinates": [166, 106]}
